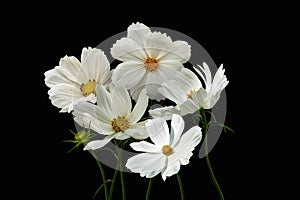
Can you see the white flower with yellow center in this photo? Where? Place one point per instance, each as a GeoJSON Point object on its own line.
{"type": "Point", "coordinates": [188, 94]}
{"type": "Point", "coordinates": [149, 59]}
{"type": "Point", "coordinates": [112, 116]}
{"type": "Point", "coordinates": [169, 151]}
{"type": "Point", "coordinates": [72, 82]}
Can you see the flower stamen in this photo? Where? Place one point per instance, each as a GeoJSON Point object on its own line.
{"type": "Point", "coordinates": [151, 64]}
{"type": "Point", "coordinates": [119, 124]}
{"type": "Point", "coordinates": [166, 149]}
{"type": "Point", "coordinates": [88, 88]}
{"type": "Point", "coordinates": [189, 95]}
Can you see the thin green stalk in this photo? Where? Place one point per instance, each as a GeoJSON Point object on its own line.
{"type": "Point", "coordinates": [207, 157]}
{"type": "Point", "coordinates": [111, 191]}
{"type": "Point", "coordinates": [103, 178]}
{"type": "Point", "coordinates": [122, 173]}
{"type": "Point", "coordinates": [149, 188]}
{"type": "Point", "coordinates": [180, 186]}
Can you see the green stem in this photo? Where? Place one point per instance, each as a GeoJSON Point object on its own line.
{"type": "Point", "coordinates": [111, 191]}
{"type": "Point", "coordinates": [180, 186]}
{"type": "Point", "coordinates": [122, 173]}
{"type": "Point", "coordinates": [149, 188]}
{"type": "Point", "coordinates": [103, 178]}
{"type": "Point", "coordinates": [207, 157]}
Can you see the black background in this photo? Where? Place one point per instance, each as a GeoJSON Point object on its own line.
{"type": "Point", "coordinates": [238, 36]}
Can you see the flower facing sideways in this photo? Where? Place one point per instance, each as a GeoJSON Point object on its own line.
{"type": "Point", "coordinates": [168, 152]}
{"type": "Point", "coordinates": [188, 93]}
{"type": "Point", "coordinates": [149, 59]}
{"type": "Point", "coordinates": [72, 82]}
{"type": "Point", "coordinates": [112, 116]}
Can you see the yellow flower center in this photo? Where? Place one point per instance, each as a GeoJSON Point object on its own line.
{"type": "Point", "coordinates": [151, 64]}
{"type": "Point", "coordinates": [119, 124]}
{"type": "Point", "coordinates": [88, 88]}
{"type": "Point", "coordinates": [189, 95]}
{"type": "Point", "coordinates": [166, 149]}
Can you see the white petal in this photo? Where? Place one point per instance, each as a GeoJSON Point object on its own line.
{"type": "Point", "coordinates": [177, 125]}
{"type": "Point", "coordinates": [188, 107]}
{"type": "Point", "coordinates": [97, 144]}
{"type": "Point", "coordinates": [63, 95]}
{"type": "Point", "coordinates": [104, 100]}
{"type": "Point", "coordinates": [164, 112]}
{"type": "Point", "coordinates": [147, 164]}
{"type": "Point", "coordinates": [139, 108]}
{"type": "Point", "coordinates": [157, 45]}
{"type": "Point", "coordinates": [205, 75]}
{"type": "Point", "coordinates": [128, 74]}
{"type": "Point", "coordinates": [71, 67]}
{"type": "Point", "coordinates": [121, 136]}
{"type": "Point", "coordinates": [137, 32]}
{"type": "Point", "coordinates": [187, 143]}
{"type": "Point", "coordinates": [144, 146]}
{"type": "Point", "coordinates": [200, 97]}
{"type": "Point", "coordinates": [127, 49]}
{"type": "Point", "coordinates": [179, 51]}
{"type": "Point", "coordinates": [153, 82]}
{"type": "Point", "coordinates": [120, 102]}
{"type": "Point", "coordinates": [172, 168]}
{"type": "Point", "coordinates": [137, 131]}
{"type": "Point", "coordinates": [55, 77]}
{"type": "Point", "coordinates": [94, 62]}
{"type": "Point", "coordinates": [158, 131]}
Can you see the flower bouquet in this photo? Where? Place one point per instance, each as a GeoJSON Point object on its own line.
{"type": "Point", "coordinates": [147, 114]}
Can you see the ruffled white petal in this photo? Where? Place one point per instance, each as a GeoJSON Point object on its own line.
{"type": "Point", "coordinates": [153, 82]}
{"type": "Point", "coordinates": [137, 32]}
{"type": "Point", "coordinates": [127, 49]}
{"type": "Point", "coordinates": [94, 63]}
{"type": "Point", "coordinates": [55, 77]}
{"type": "Point", "coordinates": [144, 146]}
{"type": "Point", "coordinates": [128, 74]}
{"type": "Point", "coordinates": [173, 167]}
{"type": "Point", "coordinates": [104, 100]}
{"type": "Point", "coordinates": [179, 51]}
{"type": "Point", "coordinates": [158, 131]}
{"type": "Point", "coordinates": [147, 164]}
{"type": "Point", "coordinates": [139, 108]}
{"type": "Point", "coordinates": [71, 68]}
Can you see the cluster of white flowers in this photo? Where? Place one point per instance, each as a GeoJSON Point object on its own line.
{"type": "Point", "coordinates": [151, 68]}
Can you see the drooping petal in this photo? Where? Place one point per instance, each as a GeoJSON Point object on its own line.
{"type": "Point", "coordinates": [153, 82]}
{"type": "Point", "coordinates": [104, 100]}
{"type": "Point", "coordinates": [158, 131]}
{"type": "Point", "coordinates": [137, 131]}
{"type": "Point", "coordinates": [164, 112]}
{"type": "Point", "coordinates": [146, 164]}
{"type": "Point", "coordinates": [128, 74]}
{"type": "Point", "coordinates": [177, 125]}
{"type": "Point", "coordinates": [127, 49]}
{"type": "Point", "coordinates": [120, 102]}
{"type": "Point", "coordinates": [187, 143]}
{"type": "Point", "coordinates": [137, 32]}
{"type": "Point", "coordinates": [144, 146]}
{"type": "Point", "coordinates": [139, 108]}
{"type": "Point", "coordinates": [173, 167]}
{"type": "Point", "coordinates": [205, 75]}
{"type": "Point", "coordinates": [97, 144]}
{"type": "Point", "coordinates": [188, 107]}
{"type": "Point", "coordinates": [121, 136]}
{"type": "Point", "coordinates": [94, 63]}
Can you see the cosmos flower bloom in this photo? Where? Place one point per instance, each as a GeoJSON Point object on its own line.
{"type": "Point", "coordinates": [169, 151]}
{"type": "Point", "coordinates": [188, 93]}
{"type": "Point", "coordinates": [112, 116]}
{"type": "Point", "coordinates": [72, 82]}
{"type": "Point", "coordinates": [149, 59]}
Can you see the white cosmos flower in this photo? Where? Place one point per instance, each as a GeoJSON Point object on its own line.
{"type": "Point", "coordinates": [112, 116]}
{"type": "Point", "coordinates": [72, 82]}
{"type": "Point", "coordinates": [168, 152]}
{"type": "Point", "coordinates": [149, 59]}
{"type": "Point", "coordinates": [188, 94]}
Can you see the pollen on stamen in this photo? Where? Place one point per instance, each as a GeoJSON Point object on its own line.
{"type": "Point", "coordinates": [166, 149]}
{"type": "Point", "coordinates": [151, 64]}
{"type": "Point", "coordinates": [88, 88]}
{"type": "Point", "coordinates": [119, 124]}
{"type": "Point", "coordinates": [189, 95]}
